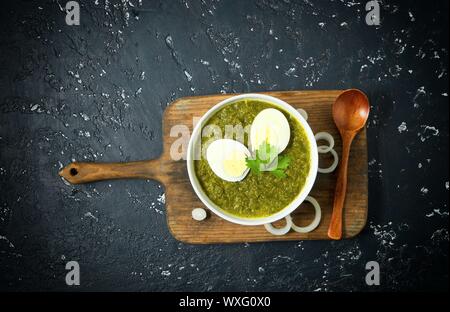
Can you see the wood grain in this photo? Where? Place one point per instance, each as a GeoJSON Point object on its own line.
{"type": "Point", "coordinates": [181, 199]}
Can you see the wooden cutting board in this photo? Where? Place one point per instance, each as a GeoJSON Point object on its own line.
{"type": "Point", "coordinates": [179, 118]}
{"type": "Point", "coordinates": [181, 199]}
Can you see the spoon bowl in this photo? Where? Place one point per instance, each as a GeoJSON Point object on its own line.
{"type": "Point", "coordinates": [351, 110]}
{"type": "Point", "coordinates": [350, 113]}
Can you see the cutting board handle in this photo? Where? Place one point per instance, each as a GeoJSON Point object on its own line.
{"type": "Point", "coordinates": [84, 172]}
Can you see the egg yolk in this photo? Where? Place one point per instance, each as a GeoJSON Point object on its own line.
{"type": "Point", "coordinates": [268, 135]}
{"type": "Point", "coordinates": [234, 164]}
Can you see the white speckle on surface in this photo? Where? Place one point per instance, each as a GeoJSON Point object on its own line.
{"type": "Point", "coordinates": [165, 273]}
{"type": "Point", "coordinates": [188, 75]}
{"type": "Point", "coordinates": [431, 128]}
{"type": "Point", "coordinates": [385, 234]}
{"type": "Point", "coordinates": [84, 116]}
{"type": "Point", "coordinates": [437, 212]}
{"type": "Point", "coordinates": [419, 165]}
{"type": "Point", "coordinates": [162, 198]}
{"type": "Point", "coordinates": [419, 92]}
{"type": "Point", "coordinates": [321, 24]}
{"type": "Point", "coordinates": [86, 134]}
{"type": "Point", "coordinates": [428, 132]}
{"type": "Point", "coordinates": [402, 127]}
{"type": "Point", "coordinates": [7, 240]}
{"type": "Point", "coordinates": [440, 235]}
{"type": "Point", "coordinates": [290, 71]}
{"type": "Point", "coordinates": [90, 215]}
{"type": "Point", "coordinates": [446, 185]}
{"type": "Point", "coordinates": [281, 258]}
{"type": "Point", "coordinates": [351, 254]}
{"type": "Point", "coordinates": [424, 190]}
{"type": "Point", "coordinates": [379, 57]}
{"type": "Point", "coordinates": [395, 71]}
{"type": "Point", "coordinates": [65, 182]}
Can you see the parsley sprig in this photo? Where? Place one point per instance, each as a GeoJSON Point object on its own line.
{"type": "Point", "coordinates": [264, 156]}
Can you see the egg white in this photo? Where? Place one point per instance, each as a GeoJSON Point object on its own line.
{"type": "Point", "coordinates": [271, 126]}
{"type": "Point", "coordinates": [226, 158]}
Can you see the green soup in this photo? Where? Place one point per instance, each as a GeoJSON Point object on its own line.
{"type": "Point", "coordinates": [257, 195]}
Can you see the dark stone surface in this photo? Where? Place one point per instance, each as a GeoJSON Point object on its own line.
{"type": "Point", "coordinates": [97, 92]}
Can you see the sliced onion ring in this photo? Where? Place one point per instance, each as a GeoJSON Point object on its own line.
{"type": "Point", "coordinates": [199, 214]}
{"type": "Point", "coordinates": [333, 165]}
{"type": "Point", "coordinates": [303, 113]}
{"type": "Point", "coordinates": [315, 222]}
{"type": "Point", "coordinates": [279, 231]}
{"type": "Point", "coordinates": [326, 137]}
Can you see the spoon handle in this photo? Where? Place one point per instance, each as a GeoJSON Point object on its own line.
{"type": "Point", "coordinates": [335, 229]}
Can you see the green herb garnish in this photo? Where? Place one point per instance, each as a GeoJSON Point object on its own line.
{"type": "Point", "coordinates": [265, 155]}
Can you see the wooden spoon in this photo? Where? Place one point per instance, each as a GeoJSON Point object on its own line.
{"type": "Point", "coordinates": [350, 113]}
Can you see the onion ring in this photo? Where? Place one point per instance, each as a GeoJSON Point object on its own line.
{"type": "Point", "coordinates": [333, 165]}
{"type": "Point", "coordinates": [326, 137]}
{"type": "Point", "coordinates": [323, 149]}
{"type": "Point", "coordinates": [280, 231]}
{"type": "Point", "coordinates": [199, 214]}
{"type": "Point", "coordinates": [303, 113]}
{"type": "Point", "coordinates": [314, 223]}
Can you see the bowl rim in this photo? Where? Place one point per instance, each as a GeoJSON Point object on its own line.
{"type": "Point", "coordinates": [311, 177]}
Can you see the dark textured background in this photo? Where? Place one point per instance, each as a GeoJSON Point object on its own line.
{"type": "Point", "coordinates": [97, 92]}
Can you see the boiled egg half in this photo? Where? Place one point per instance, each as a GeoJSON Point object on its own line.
{"type": "Point", "coordinates": [270, 126]}
{"type": "Point", "coordinates": [226, 158]}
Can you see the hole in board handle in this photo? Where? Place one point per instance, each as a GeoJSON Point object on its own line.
{"type": "Point", "coordinates": [73, 171]}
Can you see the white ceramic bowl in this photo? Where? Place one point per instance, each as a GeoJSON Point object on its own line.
{"type": "Point", "coordinates": [285, 211]}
